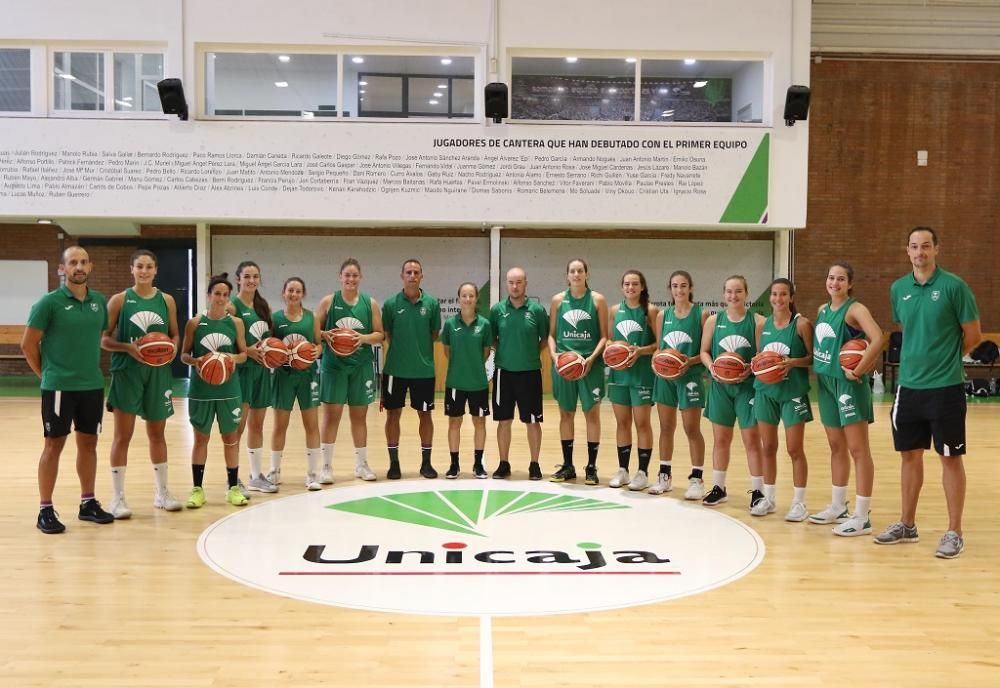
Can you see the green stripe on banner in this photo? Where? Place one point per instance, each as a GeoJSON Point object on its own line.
{"type": "Point", "coordinates": [749, 201]}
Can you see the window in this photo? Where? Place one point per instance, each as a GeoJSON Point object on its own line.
{"type": "Point", "coordinates": [701, 91]}
{"type": "Point", "coordinates": [410, 85]}
{"type": "Point", "coordinates": [15, 80]}
{"type": "Point", "coordinates": [136, 76]}
{"type": "Point", "coordinates": [569, 88]}
{"type": "Point", "coordinates": [270, 85]}
{"type": "Point", "coordinates": [79, 81]}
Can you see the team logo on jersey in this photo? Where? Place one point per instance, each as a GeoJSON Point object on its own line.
{"type": "Point", "coordinates": [844, 398]}
{"type": "Point", "coordinates": [676, 338]}
{"type": "Point", "coordinates": [293, 339]}
{"type": "Point", "coordinates": [350, 323]}
{"type": "Point", "coordinates": [691, 386]}
{"type": "Point", "coordinates": [236, 412]}
{"type": "Point", "coordinates": [627, 327]}
{"type": "Point", "coordinates": [93, 307]}
{"type": "Point", "coordinates": [145, 319]}
{"type": "Point", "coordinates": [576, 316]}
{"type": "Point", "coordinates": [824, 331]}
{"type": "Point", "coordinates": [213, 341]}
{"type": "Point", "coordinates": [259, 329]}
{"type": "Point", "coordinates": [596, 391]}
{"type": "Point", "coordinates": [935, 295]}
{"type": "Point", "coordinates": [778, 347]}
{"type": "Point", "coordinates": [846, 404]}
{"type": "Point", "coordinates": [734, 343]}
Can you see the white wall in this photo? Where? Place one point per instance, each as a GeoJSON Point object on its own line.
{"type": "Point", "coordinates": [748, 85]}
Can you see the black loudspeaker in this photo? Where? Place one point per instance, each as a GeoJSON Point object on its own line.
{"type": "Point", "coordinates": [796, 104]}
{"type": "Point", "coordinates": [172, 98]}
{"type": "Point", "coordinates": [496, 101]}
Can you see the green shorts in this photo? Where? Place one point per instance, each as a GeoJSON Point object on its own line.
{"type": "Point", "coordinates": [143, 391]}
{"type": "Point", "coordinates": [728, 404]}
{"type": "Point", "coordinates": [290, 387]}
{"type": "Point", "coordinates": [204, 412]}
{"type": "Point", "coordinates": [354, 386]}
{"type": "Point", "coordinates": [626, 395]}
{"type": "Point", "coordinates": [256, 383]}
{"type": "Point", "coordinates": [688, 392]}
{"type": "Point", "coordinates": [589, 390]}
{"type": "Point", "coordinates": [843, 402]}
{"type": "Point", "coordinates": [790, 412]}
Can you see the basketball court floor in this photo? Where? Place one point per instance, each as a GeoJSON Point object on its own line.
{"type": "Point", "coordinates": [466, 583]}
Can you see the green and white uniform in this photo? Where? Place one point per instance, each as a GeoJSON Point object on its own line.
{"type": "Point", "coordinates": [728, 404]}
{"type": "Point", "coordinates": [684, 335]}
{"type": "Point", "coordinates": [841, 401]}
{"type": "Point", "coordinates": [518, 332]}
{"type": "Point", "coordinates": [208, 403]}
{"type": "Point", "coordinates": [142, 390]}
{"type": "Point", "coordinates": [578, 329]}
{"type": "Point", "coordinates": [291, 385]}
{"type": "Point", "coordinates": [348, 379]}
{"type": "Point", "coordinates": [632, 386]}
{"type": "Point", "coordinates": [410, 327]}
{"type": "Point", "coordinates": [71, 343]}
{"type": "Point", "coordinates": [466, 371]}
{"type": "Point", "coordinates": [788, 400]}
{"type": "Point", "coordinates": [255, 380]}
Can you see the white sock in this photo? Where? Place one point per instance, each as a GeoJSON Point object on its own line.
{"type": "Point", "coordinates": [839, 496]}
{"type": "Point", "coordinates": [799, 495]}
{"type": "Point", "coordinates": [769, 491]}
{"type": "Point", "coordinates": [254, 457]}
{"type": "Point", "coordinates": [360, 456]}
{"type": "Point", "coordinates": [862, 505]}
{"type": "Point", "coordinates": [312, 458]}
{"type": "Point", "coordinates": [757, 482]}
{"type": "Point", "coordinates": [327, 448]}
{"type": "Point", "coordinates": [118, 479]}
{"type": "Point", "coordinates": [276, 460]}
{"type": "Point", "coordinates": [719, 478]}
{"type": "Point", "coordinates": [160, 476]}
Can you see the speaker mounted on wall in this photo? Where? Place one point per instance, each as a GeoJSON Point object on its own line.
{"type": "Point", "coordinates": [796, 104]}
{"type": "Point", "coordinates": [172, 98]}
{"type": "Point", "coordinates": [496, 101]}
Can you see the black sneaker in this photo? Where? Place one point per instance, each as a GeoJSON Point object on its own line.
{"type": "Point", "coordinates": [91, 511]}
{"type": "Point", "coordinates": [716, 496]}
{"type": "Point", "coordinates": [452, 472]}
{"type": "Point", "coordinates": [394, 473]}
{"type": "Point", "coordinates": [479, 471]}
{"type": "Point", "coordinates": [502, 471]}
{"type": "Point", "coordinates": [591, 475]}
{"type": "Point", "coordinates": [534, 471]}
{"type": "Point", "coordinates": [48, 521]}
{"type": "Point", "coordinates": [755, 496]}
{"type": "Point", "coordinates": [565, 472]}
{"type": "Point", "coordinates": [427, 471]}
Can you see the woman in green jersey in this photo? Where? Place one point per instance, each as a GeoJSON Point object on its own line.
{"type": "Point", "coordinates": [215, 331]}
{"type": "Point", "coordinates": [294, 325]}
{"type": "Point", "coordinates": [845, 400]}
{"type": "Point", "coordinates": [631, 389]}
{"type": "Point", "coordinates": [789, 333]}
{"type": "Point", "coordinates": [138, 389]}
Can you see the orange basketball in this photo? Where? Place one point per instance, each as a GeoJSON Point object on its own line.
{"type": "Point", "coordinates": [216, 368]}
{"type": "Point", "coordinates": [302, 355]}
{"type": "Point", "coordinates": [729, 367]}
{"type": "Point", "coordinates": [617, 354]}
{"type": "Point", "coordinates": [343, 341]}
{"type": "Point", "coordinates": [570, 365]}
{"type": "Point", "coordinates": [766, 366]}
{"type": "Point", "coordinates": [274, 351]}
{"type": "Point", "coordinates": [852, 352]}
{"type": "Point", "coordinates": [156, 349]}
{"type": "Point", "coordinates": [668, 363]}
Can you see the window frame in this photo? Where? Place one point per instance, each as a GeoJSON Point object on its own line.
{"type": "Point", "coordinates": [108, 111]}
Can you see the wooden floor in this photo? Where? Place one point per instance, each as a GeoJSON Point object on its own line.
{"type": "Point", "coordinates": [131, 604]}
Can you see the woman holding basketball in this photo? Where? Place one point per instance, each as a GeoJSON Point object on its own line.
{"type": "Point", "coordinates": [630, 387]}
{"type": "Point", "coordinates": [728, 338]}
{"type": "Point", "coordinates": [298, 380]}
{"type": "Point", "coordinates": [786, 338]}
{"type": "Point", "coordinates": [680, 328]}
{"type": "Point", "coordinates": [845, 400]}
{"type": "Point", "coordinates": [467, 338]}
{"type": "Point", "coordinates": [137, 388]}
{"type": "Point", "coordinates": [215, 332]}
{"type": "Point", "coordinates": [578, 324]}
{"type": "Point", "coordinates": [348, 378]}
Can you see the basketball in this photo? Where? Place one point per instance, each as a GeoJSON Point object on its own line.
{"type": "Point", "coordinates": [156, 349]}
{"type": "Point", "coordinates": [729, 367]}
{"type": "Point", "coordinates": [302, 355]}
{"type": "Point", "coordinates": [216, 368]}
{"type": "Point", "coordinates": [852, 352]}
{"type": "Point", "coordinates": [274, 351]}
{"type": "Point", "coordinates": [343, 341]}
{"type": "Point", "coordinates": [668, 363]}
{"type": "Point", "coordinates": [616, 355]}
{"type": "Point", "coordinates": [766, 366]}
{"type": "Point", "coordinates": [570, 365]}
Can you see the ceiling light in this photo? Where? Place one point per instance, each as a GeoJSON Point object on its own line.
{"type": "Point", "coordinates": [307, 114]}
{"type": "Point", "coordinates": [663, 90]}
{"type": "Point", "coordinates": [281, 84]}
{"type": "Point", "coordinates": [571, 60]}
{"type": "Point", "coordinates": [123, 103]}
{"type": "Point", "coordinates": [361, 91]}
{"type": "Point", "coordinates": [442, 85]}
{"type": "Point", "coordinates": [362, 83]}
{"type": "Point", "coordinates": [44, 222]}
{"type": "Point", "coordinates": [631, 60]}
{"type": "Point", "coordinates": [433, 102]}
{"type": "Point", "coordinates": [68, 77]}
{"type": "Point", "coordinates": [128, 98]}
{"type": "Point", "coordinates": [284, 58]}
{"type": "Point", "coordinates": [357, 59]}
{"type": "Point", "coordinates": [612, 90]}
{"type": "Point", "coordinates": [605, 100]}
{"type": "Point", "coordinates": [690, 61]}
{"type": "Point", "coordinates": [446, 60]}
{"type": "Point", "coordinates": [438, 95]}
{"type": "Point", "coordinates": [700, 84]}
{"type": "Point", "coordinates": [561, 89]}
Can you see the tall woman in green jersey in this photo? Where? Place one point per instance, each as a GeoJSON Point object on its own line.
{"type": "Point", "coordinates": [789, 333]}
{"type": "Point", "coordinates": [293, 325]}
{"type": "Point", "coordinates": [138, 389]}
{"type": "Point", "coordinates": [631, 389]}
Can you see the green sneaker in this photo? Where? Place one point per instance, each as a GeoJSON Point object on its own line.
{"type": "Point", "coordinates": [197, 498]}
{"type": "Point", "coordinates": [235, 496]}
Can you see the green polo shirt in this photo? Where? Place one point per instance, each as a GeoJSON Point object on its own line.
{"type": "Point", "coordinates": [71, 339]}
{"type": "Point", "coordinates": [518, 333]}
{"type": "Point", "coordinates": [932, 315]}
{"type": "Point", "coordinates": [466, 369]}
{"type": "Point", "coordinates": [411, 326]}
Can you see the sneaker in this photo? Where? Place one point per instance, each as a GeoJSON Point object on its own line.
{"type": "Point", "coordinates": [696, 489]}
{"type": "Point", "coordinates": [119, 508]}
{"type": "Point", "coordinates": [427, 471]}
{"type": "Point", "coordinates": [243, 489]}
{"type": "Point", "coordinates": [620, 478]}
{"type": "Point", "coordinates": [274, 476]}
{"type": "Point", "coordinates": [717, 495]}
{"type": "Point", "coordinates": [393, 473]}
{"type": "Point", "coordinates": [479, 471]}
{"type": "Point", "coordinates": [755, 496]}
{"type": "Point", "coordinates": [503, 471]}
{"type": "Point", "coordinates": [590, 475]}
{"type": "Point", "coordinates": [831, 513]}
{"type": "Point", "coordinates": [534, 471]}
{"type": "Point", "coordinates": [197, 498]}
{"type": "Point", "coordinates": [364, 472]}
{"type": "Point", "coordinates": [896, 533]}
{"type": "Point", "coordinates": [854, 526]}
{"type": "Point", "coordinates": [452, 472]}
{"type": "Point", "coordinates": [91, 511]}
{"type": "Point", "coordinates": [261, 484]}
{"type": "Point", "coordinates": [639, 481]}
{"type": "Point", "coordinates": [235, 496]}
{"type": "Point", "coordinates": [565, 472]}
{"type": "Point", "coordinates": [950, 546]}
{"type": "Point", "coordinates": [664, 483]}
{"type": "Point", "coordinates": [311, 483]}
{"type": "Point", "coordinates": [48, 521]}
{"type": "Point", "coordinates": [763, 506]}
{"type": "Point", "coordinates": [326, 476]}
{"type": "Point", "coordinates": [797, 512]}
{"type": "Point", "coordinates": [167, 502]}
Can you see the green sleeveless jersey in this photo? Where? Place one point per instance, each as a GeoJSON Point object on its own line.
{"type": "Point", "coordinates": [577, 326]}
{"type": "Point", "coordinates": [831, 333]}
{"type": "Point", "coordinates": [736, 338]}
{"type": "Point", "coordinates": [684, 334]}
{"type": "Point", "coordinates": [210, 336]}
{"type": "Point", "coordinates": [292, 332]}
{"type": "Point", "coordinates": [632, 326]}
{"type": "Point", "coordinates": [138, 317]}
{"type": "Point", "coordinates": [466, 368]}
{"type": "Point", "coordinates": [358, 318]}
{"type": "Point", "coordinates": [256, 328]}
{"type": "Point", "coordinates": [787, 342]}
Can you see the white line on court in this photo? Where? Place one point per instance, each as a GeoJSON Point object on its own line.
{"type": "Point", "coordinates": [485, 651]}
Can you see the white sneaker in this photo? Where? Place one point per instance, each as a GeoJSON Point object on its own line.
{"type": "Point", "coordinates": [619, 478]}
{"type": "Point", "coordinates": [696, 489]}
{"type": "Point", "coordinates": [763, 507]}
{"type": "Point", "coordinates": [854, 526]}
{"type": "Point", "coordinates": [664, 483]}
{"type": "Point", "coordinates": [364, 472]}
{"type": "Point", "coordinates": [167, 502]}
{"type": "Point", "coordinates": [119, 508]}
{"type": "Point", "coordinates": [639, 481]}
{"type": "Point", "coordinates": [311, 483]}
{"type": "Point", "coordinates": [797, 512]}
{"type": "Point", "coordinates": [831, 513]}
{"type": "Point", "coordinates": [261, 484]}
{"type": "Point", "coordinates": [326, 476]}
{"type": "Point", "coordinates": [274, 476]}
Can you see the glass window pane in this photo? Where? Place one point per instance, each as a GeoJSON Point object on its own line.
{"type": "Point", "coordinates": [701, 90]}
{"type": "Point", "coordinates": [425, 98]}
{"type": "Point", "coordinates": [581, 89]}
{"type": "Point", "coordinates": [380, 96]}
{"type": "Point", "coordinates": [15, 80]}
{"type": "Point", "coordinates": [271, 85]}
{"type": "Point", "coordinates": [463, 97]}
{"type": "Point", "coordinates": [404, 85]}
{"type": "Point", "coordinates": [136, 75]}
{"type": "Point", "coordinates": [78, 81]}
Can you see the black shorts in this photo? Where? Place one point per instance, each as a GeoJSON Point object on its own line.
{"type": "Point", "coordinates": [83, 410]}
{"type": "Point", "coordinates": [456, 401]}
{"type": "Point", "coordinates": [523, 388]}
{"type": "Point", "coordinates": [920, 414]}
{"type": "Point", "coordinates": [394, 392]}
